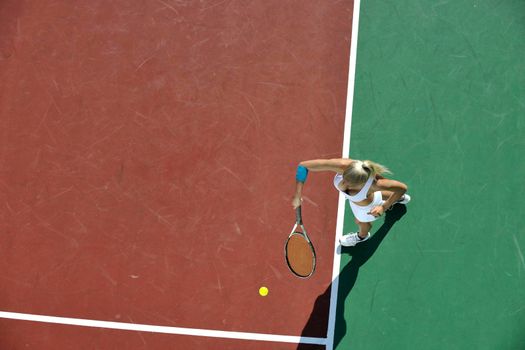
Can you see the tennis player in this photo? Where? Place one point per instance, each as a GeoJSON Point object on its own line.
{"type": "Point", "coordinates": [362, 183]}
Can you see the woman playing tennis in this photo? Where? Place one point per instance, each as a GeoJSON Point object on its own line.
{"type": "Point", "coordinates": [368, 192]}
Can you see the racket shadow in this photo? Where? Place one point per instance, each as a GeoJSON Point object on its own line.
{"type": "Point", "coordinates": [347, 278]}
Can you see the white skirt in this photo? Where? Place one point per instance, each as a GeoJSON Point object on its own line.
{"type": "Point", "coordinates": [361, 212]}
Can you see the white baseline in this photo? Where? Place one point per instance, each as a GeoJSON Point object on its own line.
{"type": "Point", "coordinates": [162, 329]}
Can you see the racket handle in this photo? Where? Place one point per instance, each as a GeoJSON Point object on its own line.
{"type": "Point", "coordinates": [298, 215]}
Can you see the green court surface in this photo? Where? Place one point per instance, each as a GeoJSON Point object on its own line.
{"type": "Point", "coordinates": [440, 99]}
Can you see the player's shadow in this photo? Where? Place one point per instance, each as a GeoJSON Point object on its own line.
{"type": "Point", "coordinates": [347, 278]}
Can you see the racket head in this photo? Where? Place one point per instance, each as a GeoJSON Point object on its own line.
{"type": "Point", "coordinates": [300, 255]}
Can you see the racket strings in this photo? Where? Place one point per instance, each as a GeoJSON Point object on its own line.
{"type": "Point", "coordinates": [300, 255]}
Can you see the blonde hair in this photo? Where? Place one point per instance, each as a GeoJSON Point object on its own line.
{"type": "Point", "coordinates": [359, 171]}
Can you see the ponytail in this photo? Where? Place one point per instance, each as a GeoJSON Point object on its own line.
{"type": "Point", "coordinates": [375, 168]}
{"type": "Point", "coordinates": [358, 171]}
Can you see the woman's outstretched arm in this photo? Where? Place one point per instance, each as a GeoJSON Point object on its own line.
{"type": "Point", "coordinates": [337, 165]}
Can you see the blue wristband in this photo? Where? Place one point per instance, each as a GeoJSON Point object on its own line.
{"type": "Point", "coordinates": [301, 174]}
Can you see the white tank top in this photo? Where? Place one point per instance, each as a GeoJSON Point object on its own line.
{"type": "Point", "coordinates": [363, 193]}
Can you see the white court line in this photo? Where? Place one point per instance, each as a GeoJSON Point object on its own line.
{"type": "Point", "coordinates": [345, 154]}
{"type": "Point", "coordinates": [162, 329]}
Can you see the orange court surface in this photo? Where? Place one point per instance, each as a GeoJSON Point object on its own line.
{"type": "Point", "coordinates": [147, 161]}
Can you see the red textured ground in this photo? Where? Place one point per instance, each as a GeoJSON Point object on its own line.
{"type": "Point", "coordinates": [147, 159]}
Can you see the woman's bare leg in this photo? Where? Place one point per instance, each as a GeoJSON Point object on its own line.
{"type": "Point", "coordinates": [386, 194]}
{"type": "Point", "coordinates": [364, 228]}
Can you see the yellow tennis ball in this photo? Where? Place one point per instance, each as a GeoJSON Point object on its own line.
{"type": "Point", "coordinates": [263, 291]}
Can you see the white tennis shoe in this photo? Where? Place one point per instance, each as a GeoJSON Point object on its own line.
{"type": "Point", "coordinates": [352, 239]}
{"type": "Point", "coordinates": [404, 200]}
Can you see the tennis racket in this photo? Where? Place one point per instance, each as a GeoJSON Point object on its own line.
{"type": "Point", "coordinates": [298, 250]}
